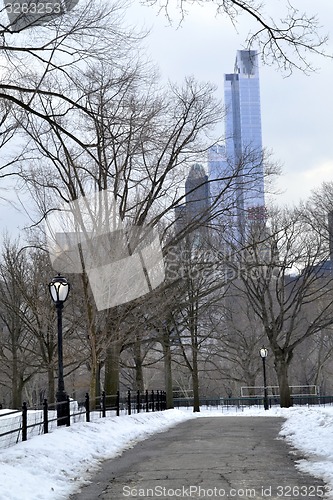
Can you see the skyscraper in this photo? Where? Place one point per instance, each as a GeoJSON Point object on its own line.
{"type": "Point", "coordinates": [194, 213]}
{"type": "Point", "coordinates": [197, 193]}
{"type": "Point", "coordinates": [242, 156]}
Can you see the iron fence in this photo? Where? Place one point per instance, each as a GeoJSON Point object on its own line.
{"type": "Point", "coordinates": [254, 401]}
{"type": "Point", "coordinates": [20, 425]}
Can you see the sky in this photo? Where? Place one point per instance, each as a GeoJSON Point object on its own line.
{"type": "Point", "coordinates": [297, 111]}
{"type": "Point", "coordinates": [56, 465]}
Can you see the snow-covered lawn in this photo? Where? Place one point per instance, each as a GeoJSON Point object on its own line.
{"type": "Point", "coordinates": [52, 466]}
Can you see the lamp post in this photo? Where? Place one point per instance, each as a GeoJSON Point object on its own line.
{"type": "Point", "coordinates": [59, 290]}
{"type": "Point", "coordinates": [263, 353]}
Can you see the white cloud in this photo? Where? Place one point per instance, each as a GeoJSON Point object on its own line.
{"type": "Point", "coordinates": [298, 185]}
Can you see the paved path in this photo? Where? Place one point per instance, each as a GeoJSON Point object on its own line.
{"type": "Point", "coordinates": [229, 457]}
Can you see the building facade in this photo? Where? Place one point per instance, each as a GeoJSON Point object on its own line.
{"type": "Point", "coordinates": [241, 157]}
{"type": "Point", "coordinates": [197, 194]}
{"type": "Point", "coordinates": [194, 215]}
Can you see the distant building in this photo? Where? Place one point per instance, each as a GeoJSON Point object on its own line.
{"type": "Point", "coordinates": [197, 193]}
{"type": "Point", "coordinates": [194, 214]}
{"type": "Point", "coordinates": [180, 218]}
{"type": "Point", "coordinates": [217, 164]}
{"type": "Point", "coordinates": [219, 177]}
{"type": "Point", "coordinates": [242, 152]}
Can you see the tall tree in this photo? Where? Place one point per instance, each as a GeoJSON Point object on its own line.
{"type": "Point", "coordinates": [17, 343]}
{"type": "Point", "coordinates": [283, 276]}
{"type": "Point", "coordinates": [137, 139]}
{"type": "Point", "coordinates": [284, 37]}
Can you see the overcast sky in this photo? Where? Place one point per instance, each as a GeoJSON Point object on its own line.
{"type": "Point", "coordinates": [297, 112]}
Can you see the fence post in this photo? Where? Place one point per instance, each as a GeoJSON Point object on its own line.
{"type": "Point", "coordinates": [152, 401]}
{"type": "Point", "coordinates": [118, 403]}
{"type": "Point", "coordinates": [138, 401]}
{"type": "Point", "coordinates": [147, 401]}
{"type": "Point", "coordinates": [87, 407]}
{"type": "Point", "coordinates": [158, 401]}
{"type": "Point", "coordinates": [45, 416]}
{"type": "Point", "coordinates": [129, 408]}
{"type": "Point", "coordinates": [103, 405]}
{"type": "Point", "coordinates": [24, 421]}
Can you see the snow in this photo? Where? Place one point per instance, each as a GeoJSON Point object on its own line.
{"type": "Point", "coordinates": [56, 465]}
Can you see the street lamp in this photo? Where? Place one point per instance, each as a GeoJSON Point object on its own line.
{"type": "Point", "coordinates": [59, 290]}
{"type": "Point", "coordinates": [263, 353]}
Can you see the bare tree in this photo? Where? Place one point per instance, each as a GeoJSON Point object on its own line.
{"type": "Point", "coordinates": [285, 39]}
{"type": "Point", "coordinates": [283, 276]}
{"type": "Point", "coordinates": [138, 142]}
{"type": "Point", "coordinates": [29, 342]}
{"type": "Point", "coordinates": [92, 119]}
{"type": "Point", "coordinates": [17, 343]}
{"type": "Point", "coordinates": [36, 61]}
{"type": "Point", "coordinates": [237, 335]}
{"type": "Point", "coordinates": [312, 363]}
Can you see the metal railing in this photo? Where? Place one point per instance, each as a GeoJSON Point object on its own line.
{"type": "Point", "coordinates": [20, 425]}
{"type": "Point", "coordinates": [253, 401]}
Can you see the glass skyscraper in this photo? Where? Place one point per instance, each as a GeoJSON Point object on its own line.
{"type": "Point", "coordinates": [242, 155]}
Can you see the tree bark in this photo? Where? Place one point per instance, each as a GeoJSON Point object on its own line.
{"type": "Point", "coordinates": [167, 370]}
{"type": "Point", "coordinates": [16, 392]}
{"type": "Point", "coordinates": [93, 370]}
{"type": "Point", "coordinates": [195, 380]}
{"type": "Point", "coordinates": [111, 382]}
{"type": "Point", "coordinates": [138, 366]}
{"type": "Point", "coordinates": [281, 367]}
{"type": "Point", "coordinates": [50, 384]}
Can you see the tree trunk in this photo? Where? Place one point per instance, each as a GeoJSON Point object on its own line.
{"type": "Point", "coordinates": [50, 384]}
{"type": "Point", "coordinates": [16, 397]}
{"type": "Point", "coordinates": [167, 370]}
{"type": "Point", "coordinates": [93, 369]}
{"type": "Point", "coordinates": [195, 380]}
{"type": "Point", "coordinates": [251, 382]}
{"type": "Point", "coordinates": [281, 367]}
{"type": "Point", "coordinates": [111, 383]}
{"type": "Point", "coordinates": [91, 335]}
{"type": "Point", "coordinates": [139, 385]}
{"type": "Point", "coordinates": [98, 380]}
{"type": "Point", "coordinates": [16, 393]}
